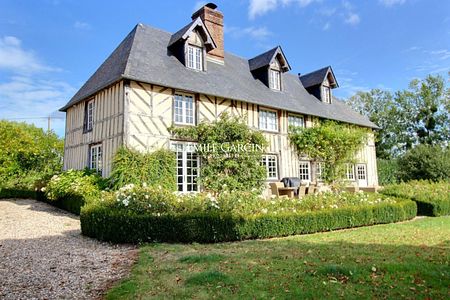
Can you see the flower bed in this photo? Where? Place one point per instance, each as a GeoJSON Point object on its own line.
{"type": "Point", "coordinates": [144, 214]}
{"type": "Point", "coordinates": [433, 199]}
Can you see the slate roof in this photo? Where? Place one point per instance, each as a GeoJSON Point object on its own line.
{"type": "Point", "coordinates": [143, 56]}
{"type": "Point", "coordinates": [265, 59]}
{"type": "Point", "coordinates": [315, 77]}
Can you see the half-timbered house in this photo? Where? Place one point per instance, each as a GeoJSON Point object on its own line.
{"type": "Point", "coordinates": [154, 79]}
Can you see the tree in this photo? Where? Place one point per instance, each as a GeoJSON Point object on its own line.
{"type": "Point", "coordinates": [230, 154]}
{"type": "Point", "coordinates": [418, 115]}
{"type": "Point", "coordinates": [28, 154]}
{"type": "Point", "coordinates": [331, 143]}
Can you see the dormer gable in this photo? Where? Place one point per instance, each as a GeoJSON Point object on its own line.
{"type": "Point", "coordinates": [320, 83]}
{"type": "Point", "coordinates": [269, 67]}
{"type": "Point", "coordinates": [191, 43]}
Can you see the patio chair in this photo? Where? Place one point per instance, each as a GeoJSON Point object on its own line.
{"type": "Point", "coordinates": [312, 189]}
{"type": "Point", "coordinates": [301, 190]}
{"type": "Point", "coordinates": [274, 186]}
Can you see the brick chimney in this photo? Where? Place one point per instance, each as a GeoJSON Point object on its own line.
{"type": "Point", "coordinates": [213, 20]}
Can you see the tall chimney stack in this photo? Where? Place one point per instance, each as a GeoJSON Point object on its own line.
{"type": "Point", "coordinates": [213, 20]}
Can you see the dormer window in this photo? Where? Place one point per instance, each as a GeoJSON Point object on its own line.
{"type": "Point", "coordinates": [191, 43]}
{"type": "Point", "coordinates": [275, 80]}
{"type": "Point", "coordinates": [267, 67]}
{"type": "Point", "coordinates": [195, 57]}
{"type": "Point", "coordinates": [320, 83]}
{"type": "Point", "coordinates": [326, 94]}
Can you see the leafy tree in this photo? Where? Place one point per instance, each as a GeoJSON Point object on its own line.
{"type": "Point", "coordinates": [332, 143]}
{"type": "Point", "coordinates": [425, 162]}
{"type": "Point", "coordinates": [230, 154]}
{"type": "Point", "coordinates": [418, 115]}
{"type": "Point", "coordinates": [28, 154]}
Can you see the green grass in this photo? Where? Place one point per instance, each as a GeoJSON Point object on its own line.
{"type": "Point", "coordinates": [407, 260]}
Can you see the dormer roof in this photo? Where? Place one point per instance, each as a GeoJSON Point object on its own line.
{"type": "Point", "coordinates": [184, 33]}
{"type": "Point", "coordinates": [266, 58]}
{"type": "Point", "coordinates": [317, 77]}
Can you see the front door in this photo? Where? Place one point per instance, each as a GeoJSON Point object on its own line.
{"type": "Point", "coordinates": [361, 175]}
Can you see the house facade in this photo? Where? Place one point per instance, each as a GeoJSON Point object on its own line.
{"type": "Point", "coordinates": [155, 79]}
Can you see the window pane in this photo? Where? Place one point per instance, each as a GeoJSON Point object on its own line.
{"type": "Point", "coordinates": [268, 120]}
{"type": "Point", "coordinates": [296, 121]}
{"type": "Point", "coordinates": [304, 170]}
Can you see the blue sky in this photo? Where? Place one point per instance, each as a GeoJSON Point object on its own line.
{"type": "Point", "coordinates": [49, 48]}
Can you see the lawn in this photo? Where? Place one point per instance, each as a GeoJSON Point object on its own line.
{"type": "Point", "coordinates": [405, 260]}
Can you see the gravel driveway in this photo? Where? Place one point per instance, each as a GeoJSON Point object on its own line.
{"type": "Point", "coordinates": [44, 256]}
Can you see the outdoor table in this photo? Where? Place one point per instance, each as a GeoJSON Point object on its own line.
{"type": "Point", "coordinates": [289, 191]}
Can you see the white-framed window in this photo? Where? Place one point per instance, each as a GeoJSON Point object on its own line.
{"type": "Point", "coordinates": [319, 170]}
{"type": "Point", "coordinates": [304, 170]}
{"type": "Point", "coordinates": [296, 121]}
{"type": "Point", "coordinates": [350, 172]}
{"type": "Point", "coordinates": [184, 109]}
{"type": "Point", "coordinates": [270, 162]}
{"type": "Point", "coordinates": [89, 122]}
{"type": "Point", "coordinates": [361, 171]}
{"type": "Point", "coordinates": [187, 166]}
{"type": "Point", "coordinates": [195, 57]}
{"type": "Point", "coordinates": [275, 79]}
{"type": "Point", "coordinates": [326, 94]}
{"type": "Point", "coordinates": [268, 120]}
{"type": "Point", "coordinates": [95, 157]}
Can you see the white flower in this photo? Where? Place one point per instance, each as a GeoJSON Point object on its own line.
{"type": "Point", "coordinates": [125, 202]}
{"type": "Point", "coordinates": [144, 184]}
{"type": "Point", "coordinates": [264, 211]}
{"type": "Point", "coordinates": [146, 196]}
{"type": "Point", "coordinates": [43, 189]}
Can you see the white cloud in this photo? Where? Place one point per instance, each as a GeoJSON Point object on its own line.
{"type": "Point", "coordinates": [31, 90]}
{"type": "Point", "coordinates": [326, 26]}
{"type": "Point", "coordinates": [16, 59]}
{"type": "Point", "coordinates": [261, 7]}
{"type": "Point", "coordinates": [441, 54]}
{"type": "Point", "coordinates": [352, 19]}
{"type": "Point", "coordinates": [390, 3]}
{"type": "Point", "coordinates": [257, 33]}
{"type": "Point", "coordinates": [82, 25]}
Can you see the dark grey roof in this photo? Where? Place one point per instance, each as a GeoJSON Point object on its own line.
{"type": "Point", "coordinates": [316, 77]}
{"type": "Point", "coordinates": [143, 56]}
{"type": "Point", "coordinates": [184, 32]}
{"type": "Point", "coordinates": [266, 58]}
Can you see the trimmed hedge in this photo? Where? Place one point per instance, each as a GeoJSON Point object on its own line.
{"type": "Point", "coordinates": [16, 193]}
{"type": "Point", "coordinates": [433, 199]}
{"type": "Point", "coordinates": [121, 226]}
{"type": "Point", "coordinates": [70, 203]}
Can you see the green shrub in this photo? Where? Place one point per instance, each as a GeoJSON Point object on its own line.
{"type": "Point", "coordinates": [432, 198]}
{"type": "Point", "coordinates": [108, 222]}
{"type": "Point", "coordinates": [27, 154]}
{"type": "Point", "coordinates": [7, 193]}
{"type": "Point", "coordinates": [387, 171]}
{"type": "Point", "coordinates": [157, 168]}
{"type": "Point", "coordinates": [425, 162]}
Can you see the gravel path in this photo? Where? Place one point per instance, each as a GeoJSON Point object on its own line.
{"type": "Point", "coordinates": [44, 256]}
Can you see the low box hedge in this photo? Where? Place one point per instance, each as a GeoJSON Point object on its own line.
{"type": "Point", "coordinates": [8, 193]}
{"type": "Point", "coordinates": [122, 226]}
{"type": "Point", "coordinates": [70, 203]}
{"type": "Point", "coordinates": [433, 199]}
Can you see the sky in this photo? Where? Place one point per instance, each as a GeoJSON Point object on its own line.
{"type": "Point", "coordinates": [49, 48]}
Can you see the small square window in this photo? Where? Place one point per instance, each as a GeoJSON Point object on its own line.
{"type": "Point", "coordinates": [268, 120]}
{"type": "Point", "coordinates": [296, 121]}
{"type": "Point", "coordinates": [270, 162]}
{"type": "Point", "coordinates": [304, 170]}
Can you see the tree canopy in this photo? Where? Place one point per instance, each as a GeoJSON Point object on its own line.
{"type": "Point", "coordinates": [28, 154]}
{"type": "Point", "coordinates": [417, 115]}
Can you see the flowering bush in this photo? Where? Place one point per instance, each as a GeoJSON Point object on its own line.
{"type": "Point", "coordinates": [83, 184]}
{"type": "Point", "coordinates": [433, 198]}
{"type": "Point", "coordinates": [158, 201]}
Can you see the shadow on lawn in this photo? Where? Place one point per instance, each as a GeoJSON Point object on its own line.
{"type": "Point", "coordinates": [295, 268]}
